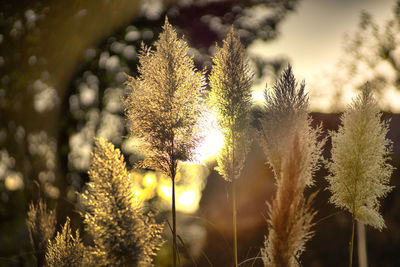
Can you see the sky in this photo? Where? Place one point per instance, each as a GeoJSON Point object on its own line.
{"type": "Point", "coordinates": [312, 37]}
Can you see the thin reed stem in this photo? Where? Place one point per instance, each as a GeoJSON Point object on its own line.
{"type": "Point", "coordinates": [173, 222]}
{"type": "Point", "coordinates": [234, 222]}
{"type": "Point", "coordinates": [327, 217]}
{"type": "Point", "coordinates": [361, 245]}
{"type": "Point", "coordinates": [250, 259]}
{"type": "Point", "coordinates": [352, 245]}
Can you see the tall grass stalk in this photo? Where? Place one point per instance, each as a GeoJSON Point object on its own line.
{"type": "Point", "coordinates": [362, 245]}
{"type": "Point", "coordinates": [174, 249]}
{"type": "Point", "coordinates": [230, 95]}
{"type": "Point", "coordinates": [293, 151]}
{"type": "Point", "coordinates": [351, 243]}
{"type": "Point", "coordinates": [235, 255]}
{"type": "Point", "coordinates": [164, 106]}
{"type": "Point", "coordinates": [359, 170]}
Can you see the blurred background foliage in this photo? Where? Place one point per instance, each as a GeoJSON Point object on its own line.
{"type": "Point", "coordinates": [63, 65]}
{"type": "Point", "coordinates": [371, 55]}
{"type": "Point", "coordinates": [62, 69]}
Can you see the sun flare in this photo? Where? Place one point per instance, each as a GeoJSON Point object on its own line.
{"type": "Point", "coordinates": [213, 139]}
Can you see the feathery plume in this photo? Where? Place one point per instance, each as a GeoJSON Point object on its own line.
{"type": "Point", "coordinates": [41, 225]}
{"type": "Point", "coordinates": [165, 103]}
{"type": "Point", "coordinates": [293, 151]}
{"type": "Point", "coordinates": [164, 107]}
{"type": "Point", "coordinates": [230, 95]}
{"type": "Point", "coordinates": [360, 172]}
{"type": "Point", "coordinates": [122, 234]}
{"type": "Point", "coordinates": [65, 250]}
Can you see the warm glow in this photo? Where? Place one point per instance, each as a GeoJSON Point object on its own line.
{"type": "Point", "coordinates": [139, 194]}
{"type": "Point", "coordinates": [189, 182]}
{"type": "Point", "coordinates": [165, 191]}
{"type": "Point", "coordinates": [187, 201]}
{"type": "Point", "coordinates": [14, 181]}
{"type": "Point", "coordinates": [213, 139]}
{"type": "Point", "coordinates": [187, 194]}
{"type": "Point", "coordinates": [149, 180]}
{"type": "Point", "coordinates": [258, 96]}
{"type": "Point", "coordinates": [145, 185]}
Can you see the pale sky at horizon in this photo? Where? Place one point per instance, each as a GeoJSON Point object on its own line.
{"type": "Point", "coordinates": [312, 36]}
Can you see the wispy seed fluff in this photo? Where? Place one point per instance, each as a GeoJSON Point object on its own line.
{"type": "Point", "coordinates": [230, 95]}
{"type": "Point", "coordinates": [293, 151]}
{"type": "Point", "coordinates": [164, 105]}
{"type": "Point", "coordinates": [359, 169]}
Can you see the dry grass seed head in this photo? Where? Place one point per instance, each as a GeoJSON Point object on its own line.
{"type": "Point", "coordinates": [65, 250]}
{"type": "Point", "coordinates": [122, 233]}
{"type": "Point", "coordinates": [41, 224]}
{"type": "Point", "coordinates": [290, 216]}
{"type": "Point", "coordinates": [230, 96]}
{"type": "Point", "coordinates": [360, 172]}
{"type": "Point", "coordinates": [293, 150]}
{"type": "Point", "coordinates": [165, 103]}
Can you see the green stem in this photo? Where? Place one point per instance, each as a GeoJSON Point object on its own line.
{"type": "Point", "coordinates": [352, 245]}
{"type": "Point", "coordinates": [234, 222]}
{"type": "Point", "coordinates": [173, 222]}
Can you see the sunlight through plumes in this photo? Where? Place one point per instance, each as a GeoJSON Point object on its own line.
{"type": "Point", "coordinates": [165, 191]}
{"type": "Point", "coordinates": [188, 200]}
{"type": "Point", "coordinates": [213, 139]}
{"type": "Point", "coordinates": [190, 182]}
{"type": "Point", "coordinates": [149, 180]}
{"type": "Point", "coordinates": [143, 194]}
{"type": "Point", "coordinates": [144, 185]}
{"type": "Point", "coordinates": [258, 96]}
{"type": "Point", "coordinates": [188, 188]}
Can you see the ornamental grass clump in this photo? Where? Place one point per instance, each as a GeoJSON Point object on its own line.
{"type": "Point", "coordinates": [164, 107]}
{"type": "Point", "coordinates": [293, 151]}
{"type": "Point", "coordinates": [359, 170]}
{"type": "Point", "coordinates": [230, 95]}
{"type": "Point", "coordinates": [122, 234]}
